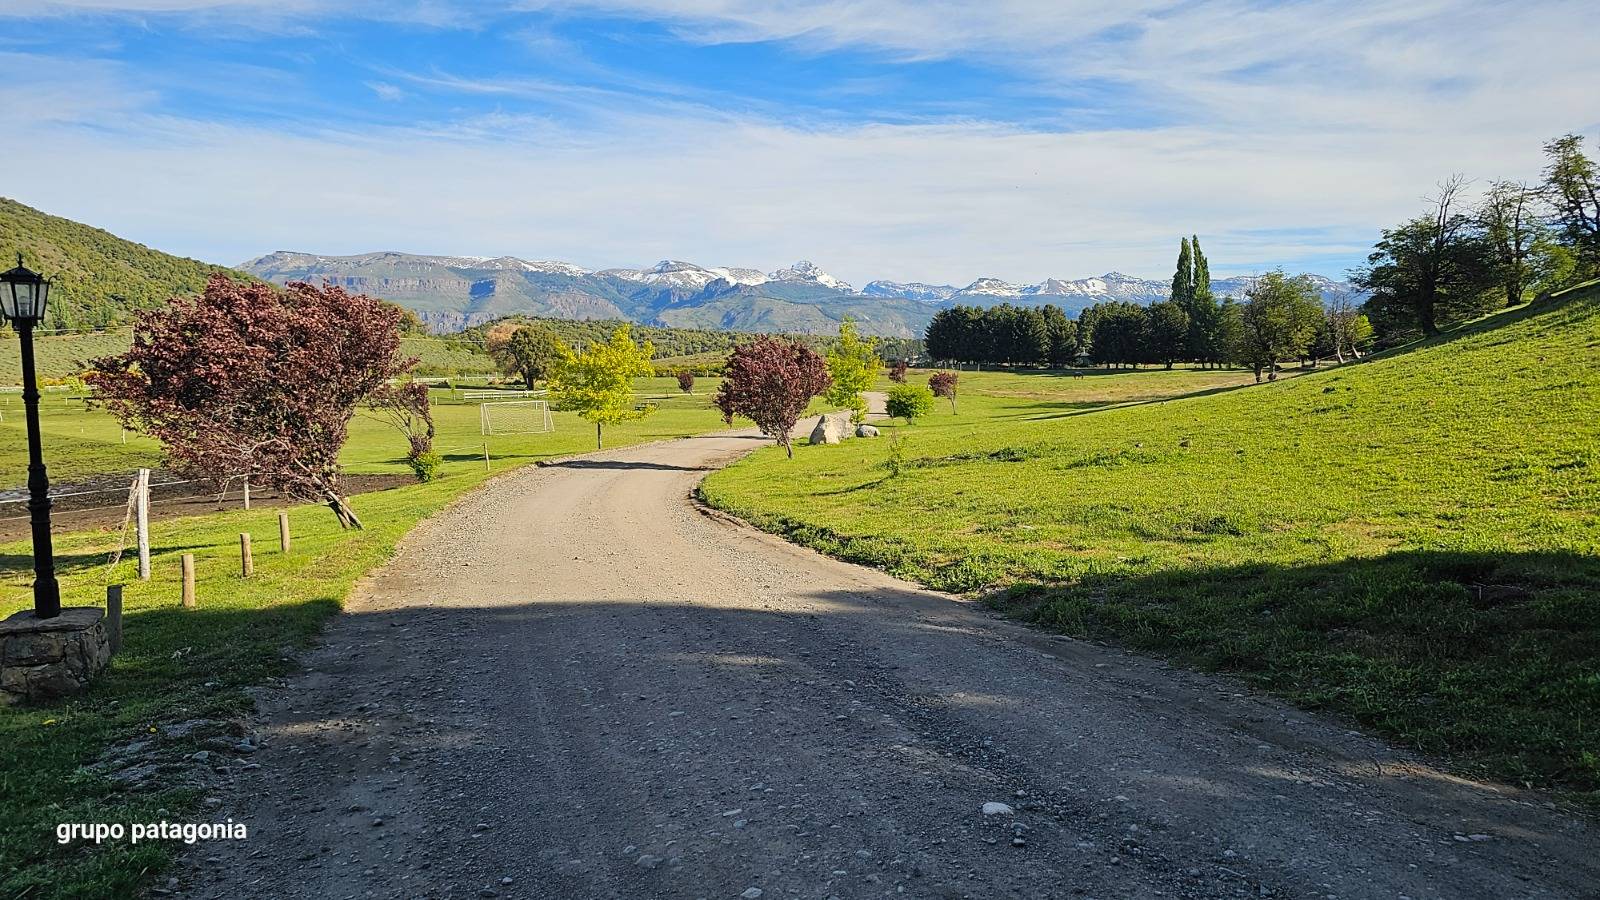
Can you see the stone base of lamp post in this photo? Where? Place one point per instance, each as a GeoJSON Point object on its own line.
{"type": "Point", "coordinates": [45, 659]}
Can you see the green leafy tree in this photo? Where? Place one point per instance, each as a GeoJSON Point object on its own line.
{"type": "Point", "coordinates": [910, 402]}
{"type": "Point", "coordinates": [1202, 270]}
{"type": "Point", "coordinates": [531, 353]}
{"type": "Point", "coordinates": [1183, 278]}
{"type": "Point", "coordinates": [1507, 218]}
{"type": "Point", "coordinates": [1572, 188]}
{"type": "Point", "coordinates": [1278, 321]}
{"type": "Point", "coordinates": [1166, 332]}
{"type": "Point", "coordinates": [853, 365]}
{"type": "Point", "coordinates": [1554, 265]}
{"type": "Point", "coordinates": [1206, 344]}
{"type": "Point", "coordinates": [598, 383]}
{"type": "Point", "coordinates": [1429, 272]}
{"type": "Point", "coordinates": [1346, 328]}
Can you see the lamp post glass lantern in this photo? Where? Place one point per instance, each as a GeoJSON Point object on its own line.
{"type": "Point", "coordinates": [23, 294]}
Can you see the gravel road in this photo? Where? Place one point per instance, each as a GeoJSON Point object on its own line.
{"type": "Point", "coordinates": [575, 683]}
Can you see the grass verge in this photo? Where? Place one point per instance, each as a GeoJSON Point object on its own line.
{"type": "Point", "coordinates": [1412, 542]}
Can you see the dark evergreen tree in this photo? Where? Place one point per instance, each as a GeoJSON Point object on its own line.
{"type": "Point", "coordinates": [1119, 334]}
{"type": "Point", "coordinates": [1063, 337]}
{"type": "Point", "coordinates": [1166, 333]}
{"type": "Point", "coordinates": [943, 337]}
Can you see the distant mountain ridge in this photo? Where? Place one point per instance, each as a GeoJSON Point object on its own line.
{"type": "Point", "coordinates": [455, 292]}
{"type": "Point", "coordinates": [102, 279]}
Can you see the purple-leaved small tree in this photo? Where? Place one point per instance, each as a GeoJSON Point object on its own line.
{"type": "Point", "coordinates": [771, 381]}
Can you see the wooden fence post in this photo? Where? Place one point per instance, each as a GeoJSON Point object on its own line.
{"type": "Point", "coordinates": [283, 532]}
{"type": "Point", "coordinates": [142, 517]}
{"type": "Point", "coordinates": [247, 492]}
{"type": "Point", "coordinates": [188, 581]}
{"type": "Point", "coordinates": [114, 616]}
{"type": "Point", "coordinates": [247, 564]}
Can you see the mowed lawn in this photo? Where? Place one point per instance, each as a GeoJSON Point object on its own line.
{"type": "Point", "coordinates": [1412, 541]}
{"type": "Point", "coordinates": [178, 664]}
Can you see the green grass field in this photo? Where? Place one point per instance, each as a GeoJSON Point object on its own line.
{"type": "Point", "coordinates": [178, 664]}
{"type": "Point", "coordinates": [1412, 541]}
{"type": "Point", "coordinates": [66, 355]}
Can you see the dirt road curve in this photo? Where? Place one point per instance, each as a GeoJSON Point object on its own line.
{"type": "Point", "coordinates": [575, 684]}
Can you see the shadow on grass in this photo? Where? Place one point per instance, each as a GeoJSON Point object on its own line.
{"type": "Point", "coordinates": [174, 664]}
{"type": "Point", "coordinates": [76, 563]}
{"type": "Point", "coordinates": [1487, 657]}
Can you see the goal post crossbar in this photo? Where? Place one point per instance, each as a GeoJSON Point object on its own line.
{"type": "Point", "coordinates": [515, 417]}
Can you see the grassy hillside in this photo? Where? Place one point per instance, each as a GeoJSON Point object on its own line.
{"type": "Point", "coordinates": [99, 277]}
{"type": "Point", "coordinates": [1413, 541]}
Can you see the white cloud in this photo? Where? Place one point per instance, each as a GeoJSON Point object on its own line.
{"type": "Point", "coordinates": [386, 91]}
{"type": "Point", "coordinates": [946, 202]}
{"type": "Point", "coordinates": [1286, 132]}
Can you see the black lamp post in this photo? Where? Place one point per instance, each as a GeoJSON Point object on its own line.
{"type": "Point", "coordinates": [22, 297]}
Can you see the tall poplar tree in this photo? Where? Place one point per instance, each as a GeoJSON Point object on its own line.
{"type": "Point", "coordinates": [1201, 286]}
{"type": "Point", "coordinates": [1206, 343]}
{"type": "Point", "coordinates": [1183, 278]}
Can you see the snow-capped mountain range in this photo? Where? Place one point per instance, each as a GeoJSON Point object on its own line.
{"type": "Point", "coordinates": [1110, 286]}
{"type": "Point", "coordinates": [452, 292]}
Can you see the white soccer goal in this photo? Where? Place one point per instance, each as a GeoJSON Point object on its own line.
{"type": "Point", "coordinates": [515, 417]}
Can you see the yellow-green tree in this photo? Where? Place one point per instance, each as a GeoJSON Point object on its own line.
{"type": "Point", "coordinates": [853, 363]}
{"type": "Point", "coordinates": [598, 383]}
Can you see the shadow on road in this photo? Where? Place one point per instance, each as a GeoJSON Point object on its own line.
{"type": "Point", "coordinates": [623, 465]}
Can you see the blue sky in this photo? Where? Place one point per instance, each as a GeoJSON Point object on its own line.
{"type": "Point", "coordinates": [903, 139]}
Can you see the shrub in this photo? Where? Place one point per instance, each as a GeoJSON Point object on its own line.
{"type": "Point", "coordinates": [897, 460]}
{"type": "Point", "coordinates": [426, 465]}
{"type": "Point", "coordinates": [909, 401]}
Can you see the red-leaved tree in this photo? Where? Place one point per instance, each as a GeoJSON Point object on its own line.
{"type": "Point", "coordinates": [248, 379]}
{"type": "Point", "coordinates": [943, 384]}
{"type": "Point", "coordinates": [897, 372]}
{"type": "Point", "coordinates": [770, 381]}
{"type": "Point", "coordinates": [685, 380]}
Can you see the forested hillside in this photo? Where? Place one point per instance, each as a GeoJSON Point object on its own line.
{"type": "Point", "coordinates": [100, 279]}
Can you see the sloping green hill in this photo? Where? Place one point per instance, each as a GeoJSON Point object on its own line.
{"type": "Point", "coordinates": [1413, 540]}
{"type": "Point", "coordinates": [99, 277]}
